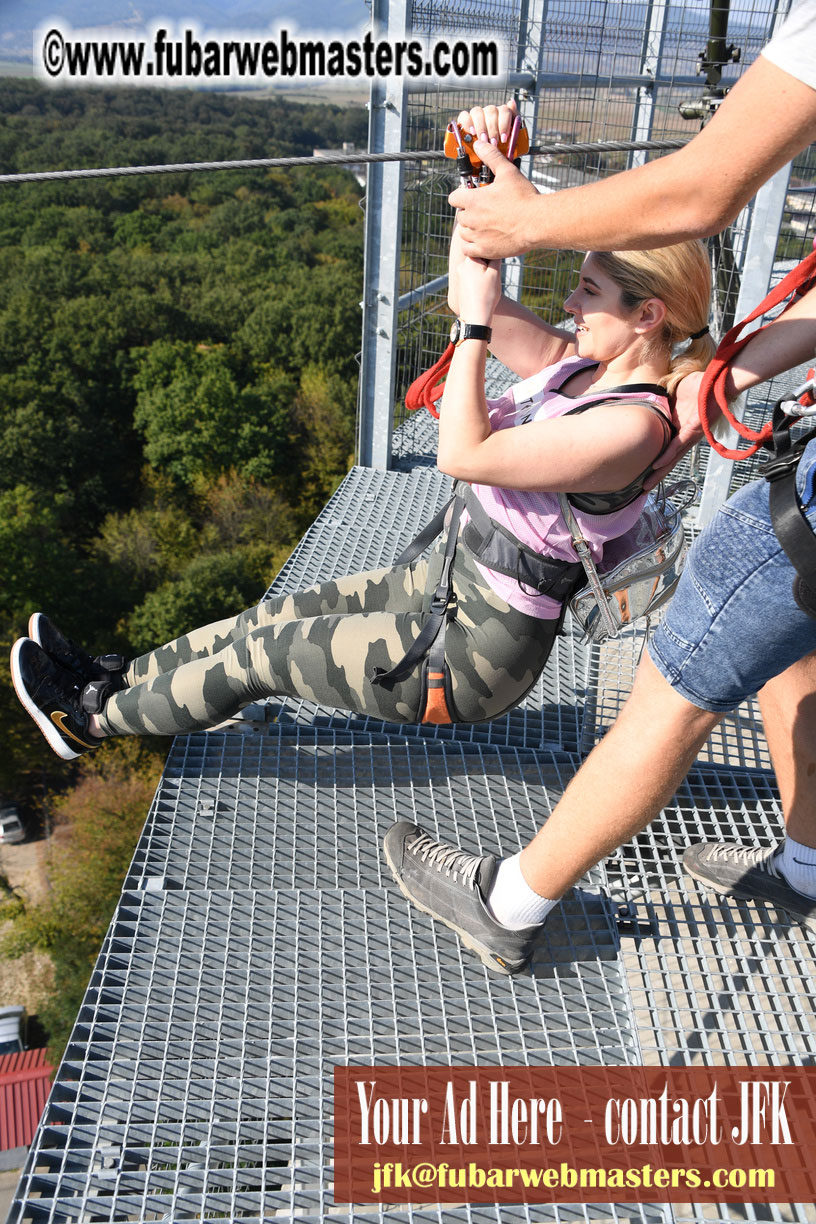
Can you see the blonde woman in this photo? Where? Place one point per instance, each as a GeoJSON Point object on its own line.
{"type": "Point", "coordinates": [589, 418]}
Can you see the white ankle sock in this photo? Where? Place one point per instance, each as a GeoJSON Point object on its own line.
{"type": "Point", "coordinates": [798, 865]}
{"type": "Point", "coordinates": [512, 901]}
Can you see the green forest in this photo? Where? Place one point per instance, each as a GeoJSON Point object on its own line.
{"type": "Point", "coordinates": [178, 384]}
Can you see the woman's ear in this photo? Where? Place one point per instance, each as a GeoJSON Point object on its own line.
{"type": "Point", "coordinates": [652, 314]}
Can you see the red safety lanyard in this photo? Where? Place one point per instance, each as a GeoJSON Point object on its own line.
{"type": "Point", "coordinates": [425, 390]}
{"type": "Point", "coordinates": [712, 395]}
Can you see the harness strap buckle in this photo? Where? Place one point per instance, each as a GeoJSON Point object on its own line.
{"type": "Point", "coordinates": [781, 466]}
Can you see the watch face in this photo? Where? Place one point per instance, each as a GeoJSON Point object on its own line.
{"type": "Point", "coordinates": [455, 330]}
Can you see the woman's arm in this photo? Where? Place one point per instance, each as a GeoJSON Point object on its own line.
{"type": "Point", "coordinates": [598, 450]}
{"type": "Point", "coordinates": [522, 341]}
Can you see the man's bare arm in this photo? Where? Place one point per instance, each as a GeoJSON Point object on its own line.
{"type": "Point", "coordinates": [787, 342]}
{"type": "Point", "coordinates": [767, 118]}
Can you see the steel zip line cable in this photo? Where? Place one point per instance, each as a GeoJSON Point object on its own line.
{"type": "Point", "coordinates": [336, 159]}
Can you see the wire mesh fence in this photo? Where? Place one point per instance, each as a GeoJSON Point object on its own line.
{"type": "Point", "coordinates": [606, 71]}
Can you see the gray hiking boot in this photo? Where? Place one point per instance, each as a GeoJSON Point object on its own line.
{"type": "Point", "coordinates": [744, 871]}
{"type": "Point", "coordinates": [451, 886]}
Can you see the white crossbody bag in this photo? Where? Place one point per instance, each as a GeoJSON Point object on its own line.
{"type": "Point", "coordinates": [639, 570]}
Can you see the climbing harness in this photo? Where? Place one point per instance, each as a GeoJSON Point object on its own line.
{"type": "Point", "coordinates": [436, 705]}
{"type": "Point", "coordinates": [496, 548]}
{"type": "Point", "coordinates": [640, 569]}
{"type": "Point", "coordinates": [792, 529]}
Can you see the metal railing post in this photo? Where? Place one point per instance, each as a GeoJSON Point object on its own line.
{"type": "Point", "coordinates": [528, 60]}
{"type": "Point", "coordinates": [382, 244]}
{"type": "Point", "coordinates": [651, 51]}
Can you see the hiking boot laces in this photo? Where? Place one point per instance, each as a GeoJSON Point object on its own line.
{"type": "Point", "coordinates": [449, 859]}
{"type": "Point", "coordinates": [746, 856]}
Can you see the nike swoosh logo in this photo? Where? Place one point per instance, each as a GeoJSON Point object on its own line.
{"type": "Point", "coordinates": [59, 718]}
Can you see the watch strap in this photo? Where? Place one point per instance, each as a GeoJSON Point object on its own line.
{"type": "Point", "coordinates": [470, 331]}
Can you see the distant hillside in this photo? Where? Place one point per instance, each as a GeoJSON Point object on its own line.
{"type": "Point", "coordinates": [21, 17]}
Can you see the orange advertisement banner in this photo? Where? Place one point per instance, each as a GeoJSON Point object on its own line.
{"type": "Point", "coordinates": [575, 1134]}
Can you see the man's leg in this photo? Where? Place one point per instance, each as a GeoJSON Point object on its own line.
{"type": "Point", "coordinates": [785, 876]}
{"type": "Point", "coordinates": [623, 784]}
{"type": "Point", "coordinates": [788, 705]}
{"type": "Point", "coordinates": [618, 790]}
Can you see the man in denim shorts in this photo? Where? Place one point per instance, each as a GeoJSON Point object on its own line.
{"type": "Point", "coordinates": [734, 627]}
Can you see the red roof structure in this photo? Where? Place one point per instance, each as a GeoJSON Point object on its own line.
{"type": "Point", "coordinates": [25, 1080]}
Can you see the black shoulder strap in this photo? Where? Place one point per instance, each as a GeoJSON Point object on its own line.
{"type": "Point", "coordinates": [426, 536]}
{"type": "Point", "coordinates": [618, 499]}
{"type": "Point", "coordinates": [668, 425]}
{"type": "Point", "coordinates": [791, 526]}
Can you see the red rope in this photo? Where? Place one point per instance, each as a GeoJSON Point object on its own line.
{"type": "Point", "coordinates": [712, 389]}
{"type": "Point", "coordinates": [427, 389]}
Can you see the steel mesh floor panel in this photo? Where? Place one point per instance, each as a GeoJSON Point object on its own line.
{"type": "Point", "coordinates": [308, 808]}
{"type": "Point", "coordinates": [715, 980]}
{"type": "Point", "coordinates": [365, 524]}
{"type": "Point", "coordinates": [198, 1079]}
{"type": "Point", "coordinates": [415, 440]}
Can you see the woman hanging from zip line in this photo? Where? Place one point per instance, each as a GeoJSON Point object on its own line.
{"type": "Point", "coordinates": [590, 418]}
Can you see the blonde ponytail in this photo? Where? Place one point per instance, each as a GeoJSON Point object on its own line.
{"type": "Point", "coordinates": [680, 276]}
{"type": "Point", "coordinates": [695, 357]}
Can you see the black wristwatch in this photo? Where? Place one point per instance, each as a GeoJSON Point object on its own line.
{"type": "Point", "coordinates": [469, 331]}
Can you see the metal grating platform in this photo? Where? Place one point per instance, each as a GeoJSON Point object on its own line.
{"type": "Point", "coordinates": [259, 940]}
{"type": "Point", "coordinates": [308, 808]}
{"type": "Point", "coordinates": [197, 1083]}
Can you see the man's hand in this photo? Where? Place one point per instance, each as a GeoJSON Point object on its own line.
{"type": "Point", "coordinates": [491, 218]}
{"type": "Point", "coordinates": [690, 431]}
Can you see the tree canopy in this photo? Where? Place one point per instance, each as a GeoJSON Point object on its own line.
{"type": "Point", "coordinates": [170, 346]}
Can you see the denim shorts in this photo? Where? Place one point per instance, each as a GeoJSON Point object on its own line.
{"type": "Point", "coordinates": [733, 623]}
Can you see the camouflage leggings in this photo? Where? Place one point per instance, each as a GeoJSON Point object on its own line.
{"type": "Point", "coordinates": [324, 643]}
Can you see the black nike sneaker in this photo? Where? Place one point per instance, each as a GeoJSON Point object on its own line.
{"type": "Point", "coordinates": [53, 698]}
{"type": "Point", "coordinates": [43, 631]}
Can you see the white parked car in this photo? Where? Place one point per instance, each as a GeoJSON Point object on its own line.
{"type": "Point", "coordinates": [10, 1020]}
{"type": "Point", "coordinates": [11, 827]}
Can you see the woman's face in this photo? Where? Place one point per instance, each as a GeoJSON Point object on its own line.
{"type": "Point", "coordinates": [604, 328]}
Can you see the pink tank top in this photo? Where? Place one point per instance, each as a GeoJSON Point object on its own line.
{"type": "Point", "coordinates": [535, 518]}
